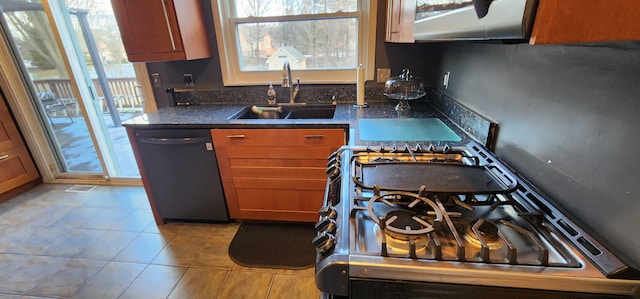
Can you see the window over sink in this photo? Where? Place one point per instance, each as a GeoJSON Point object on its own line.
{"type": "Point", "coordinates": [323, 41]}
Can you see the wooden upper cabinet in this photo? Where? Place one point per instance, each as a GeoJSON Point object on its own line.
{"type": "Point", "coordinates": [400, 19]}
{"type": "Point", "coordinates": [578, 21]}
{"type": "Point", "coordinates": [162, 30]}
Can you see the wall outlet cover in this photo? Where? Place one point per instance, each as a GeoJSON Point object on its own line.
{"type": "Point", "coordinates": [382, 75]}
{"type": "Point", "coordinates": [155, 78]}
{"type": "Point", "coordinates": [187, 79]}
{"type": "Point", "coordinates": [445, 80]}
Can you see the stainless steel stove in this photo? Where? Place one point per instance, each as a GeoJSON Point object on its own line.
{"type": "Point", "coordinates": [427, 222]}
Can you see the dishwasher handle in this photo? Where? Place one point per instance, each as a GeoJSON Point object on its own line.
{"type": "Point", "coordinates": [171, 141]}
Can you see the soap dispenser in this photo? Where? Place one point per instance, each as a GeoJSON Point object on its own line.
{"type": "Point", "coordinates": [271, 95]}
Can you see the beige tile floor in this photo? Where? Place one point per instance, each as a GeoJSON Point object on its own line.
{"type": "Point", "coordinates": [105, 244]}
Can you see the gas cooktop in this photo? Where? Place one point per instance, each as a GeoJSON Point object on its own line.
{"type": "Point", "coordinates": [451, 216]}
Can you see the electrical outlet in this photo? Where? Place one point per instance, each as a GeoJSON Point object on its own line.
{"type": "Point", "coordinates": [187, 79]}
{"type": "Point", "coordinates": [155, 78]}
{"type": "Point", "coordinates": [383, 74]}
{"type": "Point", "coordinates": [445, 80]}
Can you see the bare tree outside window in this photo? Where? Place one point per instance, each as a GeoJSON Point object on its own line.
{"type": "Point", "coordinates": [36, 43]}
{"type": "Point", "coordinates": [324, 39]}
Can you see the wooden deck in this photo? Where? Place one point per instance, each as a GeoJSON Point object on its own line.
{"type": "Point", "coordinates": [126, 95]}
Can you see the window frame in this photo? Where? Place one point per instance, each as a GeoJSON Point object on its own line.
{"type": "Point", "coordinates": [224, 23]}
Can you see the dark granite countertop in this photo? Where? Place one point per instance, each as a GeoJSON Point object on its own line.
{"type": "Point", "coordinates": [211, 116]}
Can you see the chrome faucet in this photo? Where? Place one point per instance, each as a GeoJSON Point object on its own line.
{"type": "Point", "coordinates": [287, 82]}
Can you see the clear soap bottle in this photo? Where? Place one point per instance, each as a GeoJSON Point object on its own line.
{"type": "Point", "coordinates": [271, 95]}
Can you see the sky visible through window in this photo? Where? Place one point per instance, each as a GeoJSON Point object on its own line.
{"type": "Point", "coordinates": [274, 8]}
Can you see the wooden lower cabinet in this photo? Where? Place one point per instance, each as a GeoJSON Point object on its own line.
{"type": "Point", "coordinates": [275, 174]}
{"type": "Point", "coordinates": [17, 170]}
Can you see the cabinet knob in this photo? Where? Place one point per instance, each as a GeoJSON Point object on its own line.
{"type": "Point", "coordinates": [4, 157]}
{"type": "Point", "coordinates": [238, 136]}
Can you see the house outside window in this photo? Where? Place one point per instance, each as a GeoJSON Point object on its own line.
{"type": "Point", "coordinates": [323, 41]}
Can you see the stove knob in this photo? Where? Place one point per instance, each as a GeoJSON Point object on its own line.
{"type": "Point", "coordinates": [328, 211]}
{"type": "Point", "coordinates": [324, 242]}
{"type": "Point", "coordinates": [333, 172]}
{"type": "Point", "coordinates": [330, 169]}
{"type": "Point", "coordinates": [326, 224]}
{"type": "Point", "coordinates": [333, 156]}
{"type": "Point", "coordinates": [331, 164]}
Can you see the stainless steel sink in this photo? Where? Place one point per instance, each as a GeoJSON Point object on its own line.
{"type": "Point", "coordinates": [247, 113]}
{"type": "Point", "coordinates": [298, 111]}
{"type": "Point", "coordinates": [311, 112]}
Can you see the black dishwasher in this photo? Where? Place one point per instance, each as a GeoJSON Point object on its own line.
{"type": "Point", "coordinates": [182, 174]}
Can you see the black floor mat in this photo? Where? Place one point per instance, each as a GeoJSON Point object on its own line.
{"type": "Point", "coordinates": [274, 245]}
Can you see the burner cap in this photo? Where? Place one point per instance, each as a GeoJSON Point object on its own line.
{"type": "Point", "coordinates": [403, 220]}
{"type": "Point", "coordinates": [399, 243]}
{"type": "Point", "coordinates": [400, 224]}
{"type": "Point", "coordinates": [488, 232]}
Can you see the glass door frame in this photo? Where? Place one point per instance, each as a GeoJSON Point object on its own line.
{"type": "Point", "coordinates": [15, 87]}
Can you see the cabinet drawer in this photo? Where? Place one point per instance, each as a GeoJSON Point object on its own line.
{"type": "Point", "coordinates": [282, 152]}
{"type": "Point", "coordinates": [283, 184]}
{"type": "Point", "coordinates": [282, 173]}
{"type": "Point", "coordinates": [268, 162]}
{"type": "Point", "coordinates": [16, 168]}
{"type": "Point", "coordinates": [280, 200]}
{"type": "Point", "coordinates": [279, 137]}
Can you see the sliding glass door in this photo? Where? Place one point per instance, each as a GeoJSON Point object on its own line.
{"type": "Point", "coordinates": [72, 61]}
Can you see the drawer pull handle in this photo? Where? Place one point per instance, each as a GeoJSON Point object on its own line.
{"type": "Point", "coordinates": [4, 157]}
{"type": "Point", "coordinates": [317, 136]}
{"type": "Point", "coordinates": [238, 136]}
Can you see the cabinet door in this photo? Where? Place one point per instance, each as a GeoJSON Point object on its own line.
{"type": "Point", "coordinates": [156, 30]}
{"type": "Point", "coordinates": [9, 136]}
{"type": "Point", "coordinates": [16, 168]}
{"type": "Point", "coordinates": [148, 26]}
{"type": "Point", "coordinates": [400, 19]}
{"type": "Point", "coordinates": [275, 174]}
{"type": "Point", "coordinates": [575, 21]}
{"type": "Point", "coordinates": [16, 165]}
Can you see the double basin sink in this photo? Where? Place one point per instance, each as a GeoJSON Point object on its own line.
{"type": "Point", "coordinates": [286, 111]}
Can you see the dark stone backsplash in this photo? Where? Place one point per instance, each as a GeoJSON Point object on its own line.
{"type": "Point", "coordinates": [471, 122]}
{"type": "Point", "coordinates": [258, 95]}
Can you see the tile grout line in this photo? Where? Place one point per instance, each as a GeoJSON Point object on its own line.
{"type": "Point", "coordinates": [226, 278]}
{"type": "Point", "coordinates": [273, 278]}
{"type": "Point", "coordinates": [105, 257]}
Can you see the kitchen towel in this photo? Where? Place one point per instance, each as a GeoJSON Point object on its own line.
{"type": "Point", "coordinates": [405, 129]}
{"type": "Point", "coordinates": [274, 245]}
